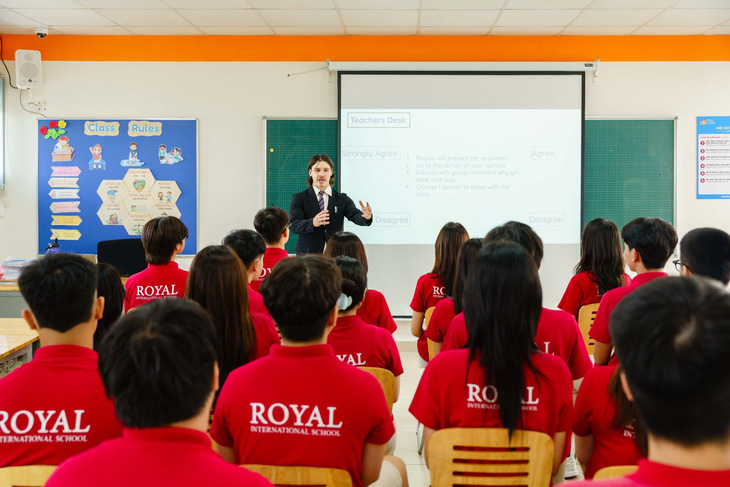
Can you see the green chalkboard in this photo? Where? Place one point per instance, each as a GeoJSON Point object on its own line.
{"type": "Point", "coordinates": [628, 170]}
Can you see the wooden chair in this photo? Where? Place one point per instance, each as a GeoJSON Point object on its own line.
{"type": "Point", "coordinates": [615, 471]}
{"type": "Point", "coordinates": [26, 476]}
{"type": "Point", "coordinates": [427, 318]}
{"type": "Point", "coordinates": [586, 315]}
{"type": "Point", "coordinates": [387, 382]}
{"type": "Point", "coordinates": [485, 456]}
{"type": "Point", "coordinates": [305, 476]}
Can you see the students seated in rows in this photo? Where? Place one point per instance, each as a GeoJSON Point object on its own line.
{"type": "Point", "coordinates": [272, 224]}
{"type": "Point", "coordinates": [447, 309]}
{"type": "Point", "coordinates": [648, 242]}
{"type": "Point", "coordinates": [601, 267]}
{"type": "Point", "coordinates": [217, 281]}
{"type": "Point", "coordinates": [163, 238]}
{"type": "Point", "coordinates": [437, 284]}
{"type": "Point", "coordinates": [557, 331]}
{"type": "Point", "coordinates": [354, 341]}
{"type": "Point", "coordinates": [502, 366]}
{"type": "Point", "coordinates": [300, 405]}
{"type": "Point", "coordinates": [250, 248]}
{"type": "Point", "coordinates": [54, 406]}
{"type": "Point", "coordinates": [159, 367]}
{"type": "Point", "coordinates": [374, 309]}
{"type": "Point", "coordinates": [109, 286]}
{"type": "Point", "coordinates": [705, 252]}
{"type": "Point", "coordinates": [672, 336]}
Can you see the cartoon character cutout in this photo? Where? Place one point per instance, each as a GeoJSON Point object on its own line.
{"type": "Point", "coordinates": [169, 197]}
{"type": "Point", "coordinates": [112, 195]}
{"type": "Point", "coordinates": [113, 219]}
{"type": "Point", "coordinates": [96, 161]}
{"type": "Point", "coordinates": [162, 153]}
{"type": "Point", "coordinates": [176, 155]}
{"type": "Point", "coordinates": [61, 144]}
{"type": "Point", "coordinates": [133, 152]}
{"type": "Point", "coordinates": [160, 195]}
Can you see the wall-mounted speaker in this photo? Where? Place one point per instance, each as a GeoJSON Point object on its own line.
{"type": "Point", "coordinates": [28, 69]}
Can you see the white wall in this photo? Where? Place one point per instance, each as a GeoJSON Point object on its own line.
{"type": "Point", "coordinates": [230, 100]}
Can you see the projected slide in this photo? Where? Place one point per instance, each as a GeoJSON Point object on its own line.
{"type": "Point", "coordinates": [480, 161]}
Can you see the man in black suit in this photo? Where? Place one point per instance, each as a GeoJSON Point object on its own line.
{"type": "Point", "coordinates": [319, 212]}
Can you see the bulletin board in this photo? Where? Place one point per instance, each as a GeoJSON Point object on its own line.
{"type": "Point", "coordinates": [101, 179]}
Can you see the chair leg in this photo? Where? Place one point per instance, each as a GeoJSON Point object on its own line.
{"type": "Point", "coordinates": [419, 438]}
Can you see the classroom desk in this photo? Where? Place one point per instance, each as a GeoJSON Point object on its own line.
{"type": "Point", "coordinates": [11, 301]}
{"type": "Point", "coordinates": [17, 344]}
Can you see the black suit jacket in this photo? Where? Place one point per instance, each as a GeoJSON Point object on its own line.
{"type": "Point", "coordinates": [304, 207]}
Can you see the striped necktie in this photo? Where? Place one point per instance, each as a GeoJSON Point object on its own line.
{"type": "Point", "coordinates": [321, 201]}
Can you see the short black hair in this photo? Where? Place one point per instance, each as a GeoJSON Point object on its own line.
{"type": "Point", "coordinates": [271, 223]}
{"type": "Point", "coordinates": [672, 337]}
{"type": "Point", "coordinates": [157, 363]}
{"type": "Point", "coordinates": [706, 252]}
{"type": "Point", "coordinates": [110, 287]}
{"type": "Point", "coordinates": [354, 279]}
{"type": "Point", "coordinates": [160, 236]}
{"type": "Point", "coordinates": [300, 293]}
{"type": "Point", "coordinates": [60, 290]}
{"type": "Point", "coordinates": [521, 233]}
{"type": "Point", "coordinates": [247, 244]}
{"type": "Point", "coordinates": [653, 238]}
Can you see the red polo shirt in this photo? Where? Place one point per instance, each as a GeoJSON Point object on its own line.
{"type": "Point", "coordinates": [54, 407]}
{"type": "Point", "coordinates": [266, 333]}
{"type": "Point", "coordinates": [582, 290]}
{"type": "Point", "coordinates": [153, 457]}
{"type": "Point", "coordinates": [272, 255]}
{"type": "Point", "coordinates": [651, 474]}
{"type": "Point", "coordinates": [256, 302]}
{"type": "Point", "coordinates": [155, 282]}
{"type": "Point", "coordinates": [375, 311]}
{"type": "Point", "coordinates": [362, 345]}
{"type": "Point", "coordinates": [440, 320]}
{"type": "Point", "coordinates": [429, 291]}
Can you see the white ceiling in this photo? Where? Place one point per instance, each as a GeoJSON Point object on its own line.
{"type": "Point", "coordinates": [367, 17]}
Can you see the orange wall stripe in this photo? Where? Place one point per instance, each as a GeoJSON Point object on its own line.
{"type": "Point", "coordinates": [375, 48]}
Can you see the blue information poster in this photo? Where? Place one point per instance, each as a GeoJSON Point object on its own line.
{"type": "Point", "coordinates": [713, 157]}
{"type": "Point", "coordinates": [102, 179]}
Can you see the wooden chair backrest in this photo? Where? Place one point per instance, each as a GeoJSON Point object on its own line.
{"type": "Point", "coordinates": [485, 456]}
{"type": "Point", "coordinates": [304, 476]}
{"type": "Point", "coordinates": [615, 471]}
{"type": "Point", "coordinates": [586, 315]}
{"type": "Point", "coordinates": [427, 318]}
{"type": "Point", "coordinates": [387, 382]}
{"type": "Point", "coordinates": [26, 476]}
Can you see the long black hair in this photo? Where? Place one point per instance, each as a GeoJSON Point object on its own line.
{"type": "Point", "coordinates": [601, 253]}
{"type": "Point", "coordinates": [502, 305]}
{"type": "Point", "coordinates": [448, 243]}
{"type": "Point", "coordinates": [467, 254]}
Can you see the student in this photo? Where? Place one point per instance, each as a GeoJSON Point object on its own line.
{"type": "Point", "coordinates": [109, 287]}
{"type": "Point", "coordinates": [557, 331]}
{"type": "Point", "coordinates": [502, 367]}
{"type": "Point", "coordinates": [374, 309]}
{"type": "Point", "coordinates": [272, 224]}
{"type": "Point", "coordinates": [601, 266]}
{"type": "Point", "coordinates": [648, 242]}
{"type": "Point", "coordinates": [437, 284]}
{"type": "Point", "coordinates": [159, 367]}
{"type": "Point", "coordinates": [217, 281]}
{"type": "Point", "coordinates": [353, 340]}
{"type": "Point", "coordinates": [606, 427]}
{"type": "Point", "coordinates": [447, 309]}
{"type": "Point", "coordinates": [672, 338]}
{"type": "Point", "coordinates": [54, 407]}
{"type": "Point", "coordinates": [303, 405]}
{"type": "Point", "coordinates": [163, 238]}
{"type": "Point", "coordinates": [250, 248]}
{"type": "Point", "coordinates": [705, 252]}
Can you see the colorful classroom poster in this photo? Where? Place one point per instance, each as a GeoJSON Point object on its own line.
{"type": "Point", "coordinates": [713, 157]}
{"type": "Point", "coordinates": [104, 179]}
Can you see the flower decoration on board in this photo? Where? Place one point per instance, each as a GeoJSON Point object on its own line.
{"type": "Point", "coordinates": [54, 129]}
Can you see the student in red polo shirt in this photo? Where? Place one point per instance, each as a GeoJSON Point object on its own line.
{"type": "Point", "coordinates": [159, 366]}
{"type": "Point", "coordinates": [217, 281]}
{"type": "Point", "coordinates": [300, 405]}
{"type": "Point", "coordinates": [250, 248]}
{"type": "Point", "coordinates": [648, 242]}
{"type": "Point", "coordinates": [502, 380]}
{"type": "Point", "coordinates": [374, 309]}
{"type": "Point", "coordinates": [705, 252]}
{"type": "Point", "coordinates": [448, 308]}
{"type": "Point", "coordinates": [354, 341]}
{"type": "Point", "coordinates": [163, 238]}
{"type": "Point", "coordinates": [672, 338]}
{"type": "Point", "coordinates": [272, 224]}
{"type": "Point", "coordinates": [437, 284]}
{"type": "Point", "coordinates": [601, 266]}
{"type": "Point", "coordinates": [55, 407]}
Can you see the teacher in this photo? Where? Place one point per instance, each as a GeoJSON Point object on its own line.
{"type": "Point", "coordinates": [319, 211]}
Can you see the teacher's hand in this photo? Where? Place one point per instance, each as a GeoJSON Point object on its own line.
{"type": "Point", "coordinates": [321, 218]}
{"type": "Point", "coordinates": [367, 212]}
